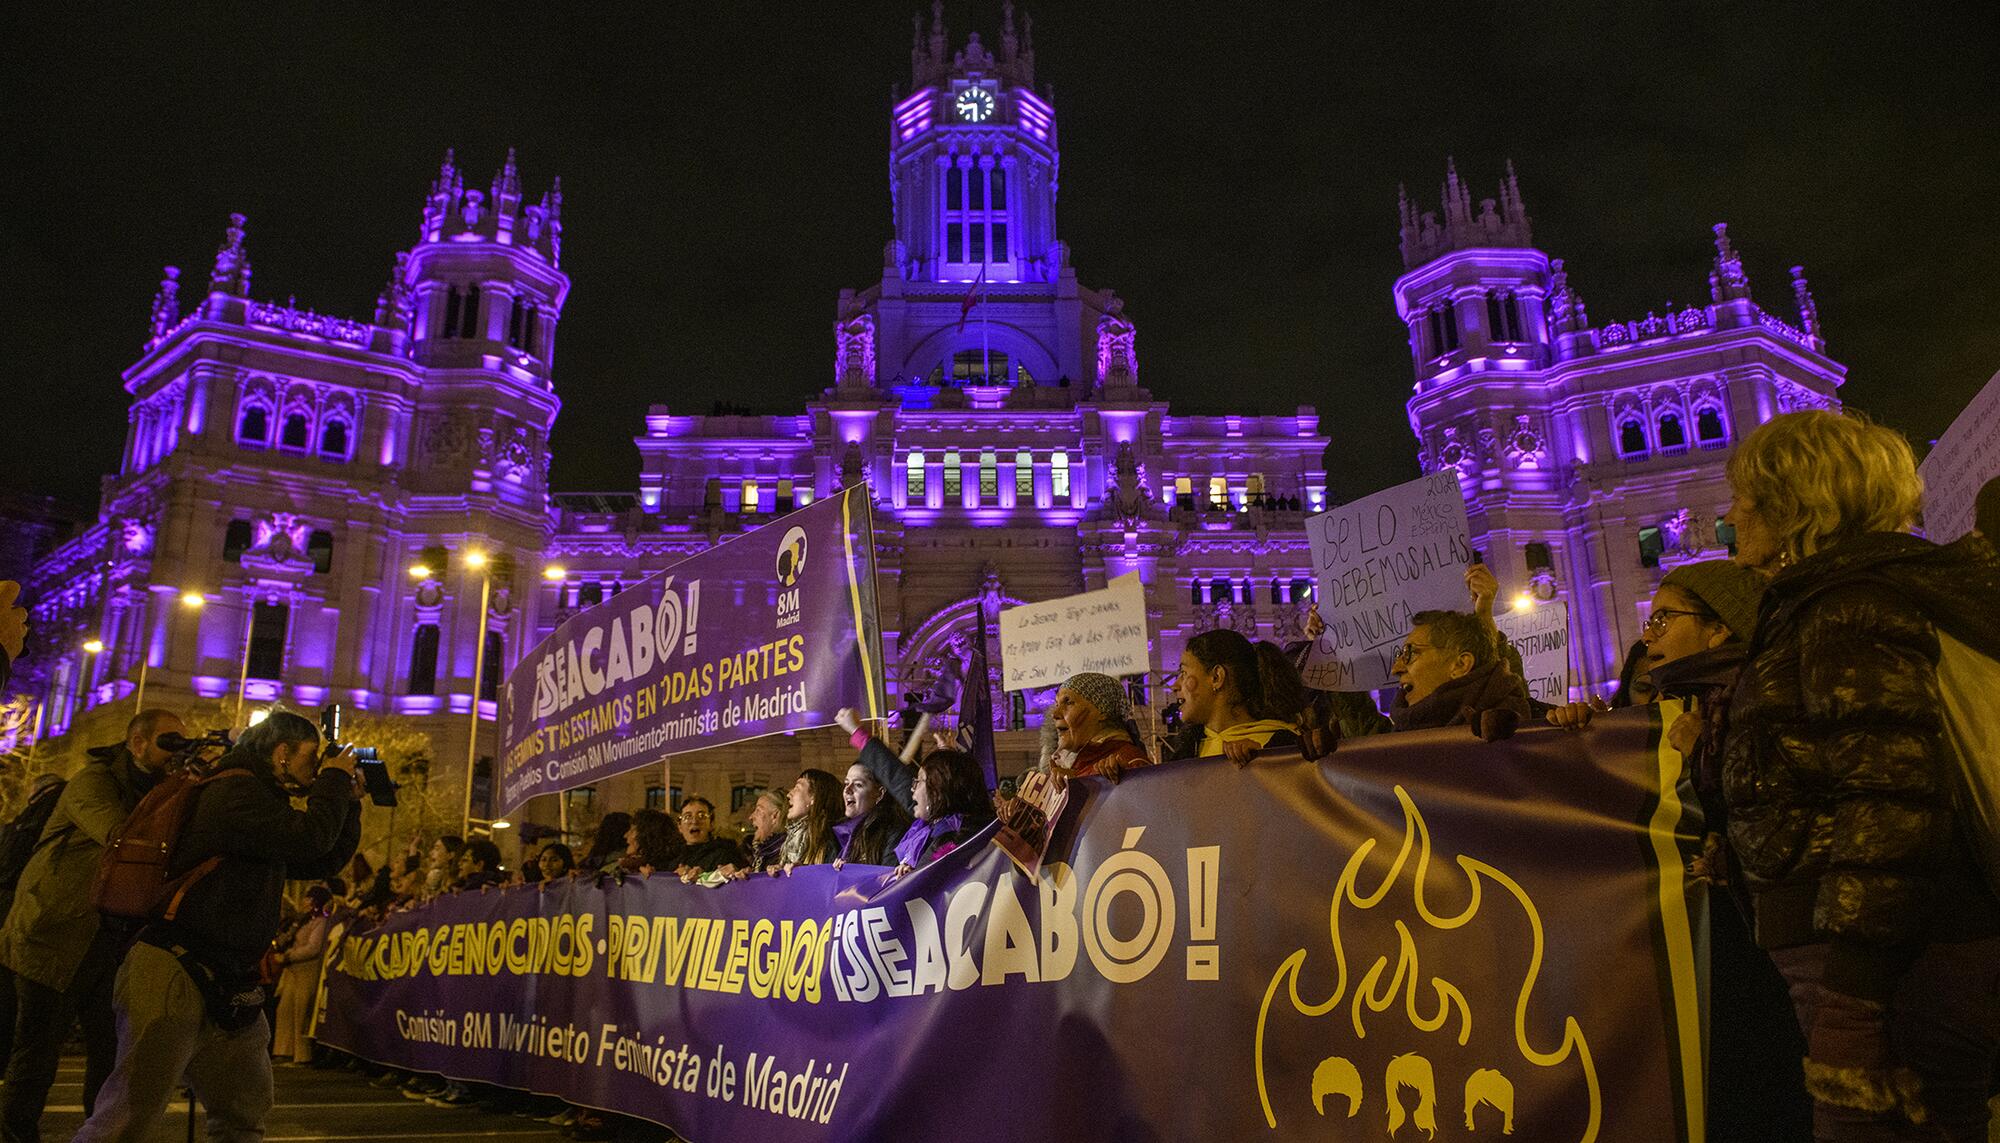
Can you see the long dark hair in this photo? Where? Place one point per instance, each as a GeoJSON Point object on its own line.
{"type": "Point", "coordinates": [1263, 675]}
{"type": "Point", "coordinates": [560, 850]}
{"type": "Point", "coordinates": [609, 844]}
{"type": "Point", "coordinates": [660, 841]}
{"type": "Point", "coordinates": [821, 816]}
{"type": "Point", "coordinates": [957, 786]}
{"type": "Point", "coordinates": [876, 835]}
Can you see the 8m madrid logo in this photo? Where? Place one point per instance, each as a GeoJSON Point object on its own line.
{"type": "Point", "coordinates": [791, 564]}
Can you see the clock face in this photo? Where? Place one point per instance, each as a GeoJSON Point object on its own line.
{"type": "Point", "coordinates": [974, 105]}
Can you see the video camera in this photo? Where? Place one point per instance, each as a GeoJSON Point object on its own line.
{"type": "Point", "coordinates": [367, 761]}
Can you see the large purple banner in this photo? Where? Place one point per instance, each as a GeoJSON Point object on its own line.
{"type": "Point", "coordinates": [769, 632]}
{"type": "Point", "coordinates": [1423, 933]}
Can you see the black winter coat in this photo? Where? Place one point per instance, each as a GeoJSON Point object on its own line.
{"type": "Point", "coordinates": [1838, 780]}
{"type": "Point", "coordinates": [230, 916]}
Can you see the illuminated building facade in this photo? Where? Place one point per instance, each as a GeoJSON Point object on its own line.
{"type": "Point", "coordinates": [1591, 454]}
{"type": "Point", "coordinates": [289, 468]}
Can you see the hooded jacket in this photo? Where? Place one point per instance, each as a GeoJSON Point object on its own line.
{"type": "Point", "coordinates": [52, 924]}
{"type": "Point", "coordinates": [1838, 781]}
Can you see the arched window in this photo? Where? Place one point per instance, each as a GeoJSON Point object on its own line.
{"type": "Point", "coordinates": [989, 478]}
{"type": "Point", "coordinates": [1708, 426]}
{"type": "Point", "coordinates": [333, 439]}
{"type": "Point", "coordinates": [297, 432]}
{"type": "Point", "coordinates": [1024, 477]}
{"type": "Point", "coordinates": [255, 426]}
{"type": "Point", "coordinates": [493, 667]}
{"type": "Point", "coordinates": [1059, 475]}
{"type": "Point", "coordinates": [954, 477]}
{"type": "Point", "coordinates": [914, 479]}
{"type": "Point", "coordinates": [424, 660]}
{"type": "Point", "coordinates": [1671, 433]}
{"type": "Point", "coordinates": [1631, 438]}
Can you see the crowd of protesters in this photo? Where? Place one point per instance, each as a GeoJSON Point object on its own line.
{"type": "Point", "coordinates": [1856, 943]}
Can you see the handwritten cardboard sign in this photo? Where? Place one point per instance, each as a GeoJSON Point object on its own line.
{"type": "Point", "coordinates": [1966, 457]}
{"type": "Point", "coordinates": [1541, 635]}
{"type": "Point", "coordinates": [1041, 644]}
{"type": "Point", "coordinates": [1378, 561]}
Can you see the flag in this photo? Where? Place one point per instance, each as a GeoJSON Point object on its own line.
{"type": "Point", "coordinates": [975, 708]}
{"type": "Point", "coordinates": [971, 298]}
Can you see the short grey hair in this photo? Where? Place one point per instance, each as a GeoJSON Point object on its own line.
{"type": "Point", "coordinates": [279, 728]}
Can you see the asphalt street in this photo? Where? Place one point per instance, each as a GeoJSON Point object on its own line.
{"type": "Point", "coordinates": [315, 1106]}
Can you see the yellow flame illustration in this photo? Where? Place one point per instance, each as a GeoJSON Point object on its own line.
{"type": "Point", "coordinates": [1371, 991]}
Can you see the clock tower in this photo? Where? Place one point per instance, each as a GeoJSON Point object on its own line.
{"type": "Point", "coordinates": [973, 161]}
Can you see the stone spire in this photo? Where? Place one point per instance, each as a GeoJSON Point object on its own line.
{"type": "Point", "coordinates": [440, 206]}
{"type": "Point", "coordinates": [1726, 281]}
{"type": "Point", "coordinates": [1457, 199]}
{"type": "Point", "coordinates": [506, 194]}
{"type": "Point", "coordinates": [1010, 44]}
{"type": "Point", "coordinates": [166, 307]}
{"type": "Point", "coordinates": [1501, 221]}
{"type": "Point", "coordinates": [395, 304]}
{"type": "Point", "coordinates": [1566, 313]}
{"type": "Point", "coordinates": [1808, 309]}
{"type": "Point", "coordinates": [1511, 207]}
{"type": "Point", "coordinates": [231, 274]}
{"type": "Point", "coordinates": [552, 210]}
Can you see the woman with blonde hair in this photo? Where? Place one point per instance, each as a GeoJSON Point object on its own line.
{"type": "Point", "coordinates": [1843, 793]}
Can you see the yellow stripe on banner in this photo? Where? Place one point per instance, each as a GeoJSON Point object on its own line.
{"type": "Point", "coordinates": [1676, 926]}
{"type": "Point", "coordinates": [854, 597]}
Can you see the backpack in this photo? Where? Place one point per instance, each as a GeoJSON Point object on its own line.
{"type": "Point", "coordinates": [18, 837]}
{"type": "Point", "coordinates": [135, 878]}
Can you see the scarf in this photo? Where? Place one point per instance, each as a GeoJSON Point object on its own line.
{"type": "Point", "coordinates": [796, 841]}
{"type": "Point", "coordinates": [764, 854]}
{"type": "Point", "coordinates": [917, 841]}
{"type": "Point", "coordinates": [1257, 733]}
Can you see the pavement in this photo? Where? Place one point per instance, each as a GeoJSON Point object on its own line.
{"type": "Point", "coordinates": [315, 1106]}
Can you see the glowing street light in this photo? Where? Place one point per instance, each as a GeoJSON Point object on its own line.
{"type": "Point", "coordinates": [193, 600]}
{"type": "Point", "coordinates": [555, 573]}
{"type": "Point", "coordinates": [420, 571]}
{"type": "Point", "coordinates": [1523, 601]}
{"type": "Point", "coordinates": [502, 823]}
{"type": "Point", "coordinates": [475, 559]}
{"type": "Point", "coordinates": [93, 645]}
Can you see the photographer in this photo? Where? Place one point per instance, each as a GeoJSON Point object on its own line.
{"type": "Point", "coordinates": [187, 998]}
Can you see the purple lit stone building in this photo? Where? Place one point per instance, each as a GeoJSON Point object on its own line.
{"type": "Point", "coordinates": [1591, 454]}
{"type": "Point", "coordinates": [285, 470]}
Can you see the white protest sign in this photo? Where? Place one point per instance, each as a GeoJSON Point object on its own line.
{"type": "Point", "coordinates": [1377, 562]}
{"type": "Point", "coordinates": [1541, 635]}
{"type": "Point", "coordinates": [1042, 644]}
{"type": "Point", "coordinates": [1966, 456]}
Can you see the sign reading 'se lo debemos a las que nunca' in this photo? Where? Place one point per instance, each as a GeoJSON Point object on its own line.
{"type": "Point", "coordinates": [771, 631]}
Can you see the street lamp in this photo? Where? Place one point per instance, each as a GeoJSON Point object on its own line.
{"type": "Point", "coordinates": [476, 560]}
{"type": "Point", "coordinates": [193, 601]}
{"type": "Point", "coordinates": [93, 645]}
{"type": "Point", "coordinates": [554, 573]}
{"type": "Point", "coordinates": [1523, 601]}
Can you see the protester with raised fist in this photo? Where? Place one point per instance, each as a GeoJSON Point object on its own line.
{"type": "Point", "coordinates": [951, 804]}
{"type": "Point", "coordinates": [1846, 799]}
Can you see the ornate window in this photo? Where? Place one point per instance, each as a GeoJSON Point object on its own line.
{"type": "Point", "coordinates": [1708, 425]}
{"type": "Point", "coordinates": [521, 326]}
{"type": "Point", "coordinates": [975, 212]}
{"type": "Point", "coordinates": [461, 312]}
{"type": "Point", "coordinates": [297, 433]}
{"type": "Point", "coordinates": [989, 478]}
{"type": "Point", "coordinates": [1671, 434]}
{"type": "Point", "coordinates": [1024, 477]}
{"type": "Point", "coordinates": [953, 477]}
{"type": "Point", "coordinates": [319, 547]}
{"type": "Point", "coordinates": [978, 367]}
{"type": "Point", "coordinates": [253, 427]}
{"type": "Point", "coordinates": [1632, 438]}
{"type": "Point", "coordinates": [1503, 316]}
{"type": "Point", "coordinates": [1059, 475]}
{"type": "Point", "coordinates": [333, 439]}
{"type": "Point", "coordinates": [914, 480]}
{"type": "Point", "coordinates": [424, 660]}
{"type": "Point", "coordinates": [1442, 326]}
{"type": "Point", "coordinates": [236, 539]}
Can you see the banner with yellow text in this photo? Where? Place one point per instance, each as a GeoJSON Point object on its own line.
{"type": "Point", "coordinates": [1422, 933]}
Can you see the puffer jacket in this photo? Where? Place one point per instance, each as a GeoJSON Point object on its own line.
{"type": "Point", "coordinates": [1836, 774]}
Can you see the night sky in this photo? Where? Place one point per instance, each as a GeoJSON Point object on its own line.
{"type": "Point", "coordinates": [724, 172]}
